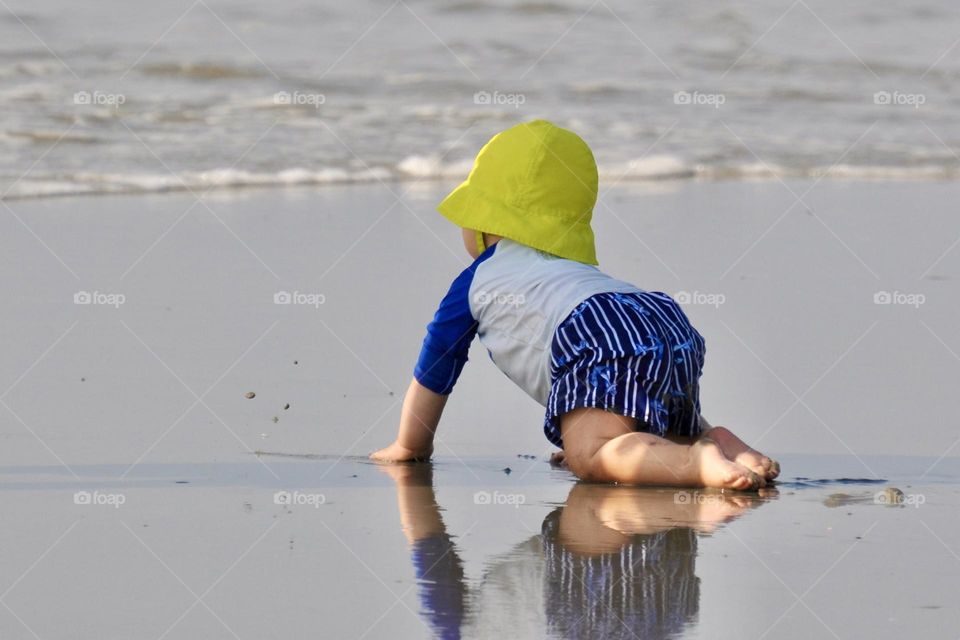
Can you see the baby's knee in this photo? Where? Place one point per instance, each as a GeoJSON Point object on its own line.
{"type": "Point", "coordinates": [585, 431]}
{"type": "Point", "coordinates": [579, 460]}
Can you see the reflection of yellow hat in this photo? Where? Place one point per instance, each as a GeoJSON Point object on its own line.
{"type": "Point", "coordinates": [534, 183]}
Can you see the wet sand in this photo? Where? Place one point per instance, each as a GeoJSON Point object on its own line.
{"type": "Point", "coordinates": [141, 405]}
{"type": "Point", "coordinates": [530, 554]}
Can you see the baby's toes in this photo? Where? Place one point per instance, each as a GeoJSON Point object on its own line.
{"type": "Point", "coordinates": [774, 470]}
{"type": "Point", "coordinates": [770, 468]}
{"type": "Point", "coordinates": [743, 479]}
{"type": "Point", "coordinates": [752, 461]}
{"type": "Point", "coordinates": [765, 468]}
{"type": "Point", "coordinates": [760, 471]}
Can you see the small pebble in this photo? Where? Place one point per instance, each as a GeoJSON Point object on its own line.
{"type": "Point", "coordinates": [296, 362]}
{"type": "Point", "coordinates": [83, 379]}
{"type": "Point", "coordinates": [276, 419]}
{"type": "Point", "coordinates": [507, 470]}
{"type": "Point", "coordinates": [286, 406]}
{"type": "Point", "coordinates": [249, 395]}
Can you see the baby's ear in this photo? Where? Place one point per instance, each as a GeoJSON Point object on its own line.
{"type": "Point", "coordinates": [470, 241]}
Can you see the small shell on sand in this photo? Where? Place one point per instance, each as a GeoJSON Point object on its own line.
{"type": "Point", "coordinates": [249, 395]}
{"type": "Point", "coordinates": [890, 496]}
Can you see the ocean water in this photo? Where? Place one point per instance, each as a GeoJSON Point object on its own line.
{"type": "Point", "coordinates": [147, 96]}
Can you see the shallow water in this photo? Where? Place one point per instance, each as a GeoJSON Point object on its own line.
{"type": "Point", "coordinates": [458, 548]}
{"type": "Point", "coordinates": [145, 96]}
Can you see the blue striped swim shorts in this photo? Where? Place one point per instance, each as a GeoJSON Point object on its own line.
{"type": "Point", "coordinates": [634, 354]}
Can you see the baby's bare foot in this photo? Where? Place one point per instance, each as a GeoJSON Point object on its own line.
{"type": "Point", "coordinates": [717, 471]}
{"type": "Point", "coordinates": [740, 452]}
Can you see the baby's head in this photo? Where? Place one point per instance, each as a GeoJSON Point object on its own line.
{"type": "Point", "coordinates": [535, 184]}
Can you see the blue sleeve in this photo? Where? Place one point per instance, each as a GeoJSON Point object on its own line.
{"type": "Point", "coordinates": [445, 348]}
{"type": "Point", "coordinates": [440, 578]}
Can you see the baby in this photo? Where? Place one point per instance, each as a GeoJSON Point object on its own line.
{"type": "Point", "coordinates": [616, 367]}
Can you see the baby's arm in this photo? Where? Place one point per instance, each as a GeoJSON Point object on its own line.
{"type": "Point", "coordinates": [442, 356]}
{"type": "Point", "coordinates": [418, 422]}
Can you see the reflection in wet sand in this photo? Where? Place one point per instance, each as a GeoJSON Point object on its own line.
{"type": "Point", "coordinates": [612, 562]}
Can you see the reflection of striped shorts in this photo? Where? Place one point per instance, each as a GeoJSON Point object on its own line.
{"type": "Point", "coordinates": [634, 354]}
{"type": "Point", "coordinates": [648, 588]}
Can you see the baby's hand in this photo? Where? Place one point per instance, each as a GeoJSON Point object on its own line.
{"type": "Point", "coordinates": [398, 453]}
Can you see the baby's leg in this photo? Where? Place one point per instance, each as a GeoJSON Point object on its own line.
{"type": "Point", "coordinates": [739, 451]}
{"type": "Point", "coordinates": [600, 446]}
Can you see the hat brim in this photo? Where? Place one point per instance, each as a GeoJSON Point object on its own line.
{"type": "Point", "coordinates": [468, 207]}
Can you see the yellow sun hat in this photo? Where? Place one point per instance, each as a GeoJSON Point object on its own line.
{"type": "Point", "coordinates": [534, 183]}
